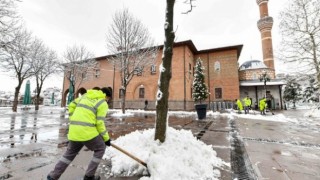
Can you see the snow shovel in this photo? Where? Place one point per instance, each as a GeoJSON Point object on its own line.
{"type": "Point", "coordinates": [130, 155]}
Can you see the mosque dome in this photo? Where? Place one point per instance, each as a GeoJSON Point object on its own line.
{"type": "Point", "coordinates": [252, 64]}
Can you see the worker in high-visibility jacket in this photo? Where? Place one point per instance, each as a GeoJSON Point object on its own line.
{"type": "Point", "coordinates": [86, 116]}
{"type": "Point", "coordinates": [263, 106]}
{"type": "Point", "coordinates": [247, 104]}
{"type": "Point", "coordinates": [239, 105]}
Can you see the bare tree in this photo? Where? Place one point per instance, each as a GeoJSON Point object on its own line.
{"type": "Point", "coordinates": [300, 29]}
{"type": "Point", "coordinates": [15, 58]}
{"type": "Point", "coordinates": [44, 65]}
{"type": "Point", "coordinates": [165, 71]}
{"type": "Point", "coordinates": [133, 48]}
{"type": "Point", "coordinates": [8, 20]}
{"type": "Point", "coordinates": [79, 65]}
{"type": "Point", "coordinates": [165, 75]}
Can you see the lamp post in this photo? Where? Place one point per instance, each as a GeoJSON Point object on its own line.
{"type": "Point", "coordinates": [264, 77]}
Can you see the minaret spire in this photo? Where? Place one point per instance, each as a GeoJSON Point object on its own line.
{"type": "Point", "coordinates": [265, 25]}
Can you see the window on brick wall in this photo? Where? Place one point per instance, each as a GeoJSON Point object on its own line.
{"type": "Point", "coordinates": [153, 69]}
{"type": "Point", "coordinates": [218, 93]}
{"type": "Point", "coordinates": [138, 71]}
{"type": "Point", "coordinates": [217, 66]}
{"type": "Point", "coordinates": [97, 73]}
{"type": "Point", "coordinates": [121, 93]}
{"type": "Point", "coordinates": [254, 76]}
{"type": "Point", "coordinates": [84, 76]}
{"type": "Point", "coordinates": [141, 92]}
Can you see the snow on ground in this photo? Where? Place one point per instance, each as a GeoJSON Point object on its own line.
{"type": "Point", "coordinates": [181, 156]}
{"type": "Point", "coordinates": [268, 117]}
{"type": "Point", "coordinates": [178, 157]}
{"type": "Point", "coordinates": [314, 112]}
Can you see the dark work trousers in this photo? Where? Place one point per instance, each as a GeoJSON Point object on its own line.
{"type": "Point", "coordinates": [96, 144]}
{"type": "Point", "coordinates": [246, 109]}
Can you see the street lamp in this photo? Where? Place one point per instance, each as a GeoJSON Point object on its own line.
{"type": "Point", "coordinates": [264, 77]}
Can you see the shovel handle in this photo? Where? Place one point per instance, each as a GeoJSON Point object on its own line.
{"type": "Point", "coordinates": [130, 155]}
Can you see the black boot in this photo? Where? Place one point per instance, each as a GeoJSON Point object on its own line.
{"type": "Point", "coordinates": [91, 178]}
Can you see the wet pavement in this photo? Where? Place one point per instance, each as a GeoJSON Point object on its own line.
{"type": "Point", "coordinates": [282, 151]}
{"type": "Point", "coordinates": [31, 143]}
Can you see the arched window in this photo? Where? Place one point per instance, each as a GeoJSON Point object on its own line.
{"type": "Point", "coordinates": [217, 66]}
{"type": "Point", "coordinates": [141, 92]}
{"type": "Point", "coordinates": [153, 69]}
{"type": "Point", "coordinates": [254, 76]}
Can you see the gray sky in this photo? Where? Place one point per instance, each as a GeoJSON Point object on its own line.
{"type": "Point", "coordinates": [211, 24]}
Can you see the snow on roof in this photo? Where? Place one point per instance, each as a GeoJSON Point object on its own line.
{"type": "Point", "coordinates": [253, 64]}
{"type": "Point", "coordinates": [261, 83]}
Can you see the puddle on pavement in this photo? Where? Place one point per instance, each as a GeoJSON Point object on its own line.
{"type": "Point", "coordinates": [28, 128]}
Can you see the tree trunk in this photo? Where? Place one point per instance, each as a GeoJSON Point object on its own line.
{"type": "Point", "coordinates": [123, 102]}
{"type": "Point", "coordinates": [165, 76]}
{"type": "Point", "coordinates": [37, 101]}
{"type": "Point", "coordinates": [16, 98]}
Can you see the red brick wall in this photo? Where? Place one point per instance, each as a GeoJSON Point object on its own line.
{"type": "Point", "coordinates": [181, 82]}
{"type": "Point", "coordinates": [250, 73]}
{"type": "Point", "coordinates": [226, 78]}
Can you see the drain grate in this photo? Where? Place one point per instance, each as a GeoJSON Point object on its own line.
{"type": "Point", "coordinates": [201, 133]}
{"type": "Point", "coordinates": [240, 163]}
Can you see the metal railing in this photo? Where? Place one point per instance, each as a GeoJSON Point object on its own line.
{"type": "Point", "coordinates": [222, 105]}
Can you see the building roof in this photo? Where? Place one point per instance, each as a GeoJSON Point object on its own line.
{"type": "Point", "coordinates": [272, 82]}
{"type": "Point", "coordinates": [252, 64]}
{"type": "Point", "coordinates": [192, 47]}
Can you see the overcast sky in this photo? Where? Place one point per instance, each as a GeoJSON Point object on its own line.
{"type": "Point", "coordinates": [211, 24]}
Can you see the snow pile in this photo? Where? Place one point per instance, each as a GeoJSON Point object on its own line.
{"type": "Point", "coordinates": [181, 156]}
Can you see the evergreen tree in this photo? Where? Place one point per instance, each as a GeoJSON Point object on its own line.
{"type": "Point", "coordinates": [292, 91]}
{"type": "Point", "coordinates": [311, 92]}
{"type": "Point", "coordinates": [199, 88]}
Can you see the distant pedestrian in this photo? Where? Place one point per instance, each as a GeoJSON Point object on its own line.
{"type": "Point", "coordinates": [247, 104]}
{"type": "Point", "coordinates": [86, 115]}
{"type": "Point", "coordinates": [263, 106]}
{"type": "Point", "coordinates": [146, 104]}
{"type": "Point", "coordinates": [239, 105]}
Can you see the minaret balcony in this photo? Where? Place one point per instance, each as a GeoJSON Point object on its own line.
{"type": "Point", "coordinates": [265, 23]}
{"type": "Point", "coordinates": [261, 1]}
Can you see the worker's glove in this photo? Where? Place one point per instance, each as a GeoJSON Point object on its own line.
{"type": "Point", "coordinates": [108, 143]}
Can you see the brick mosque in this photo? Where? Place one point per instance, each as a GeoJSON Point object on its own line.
{"type": "Point", "coordinates": [226, 81]}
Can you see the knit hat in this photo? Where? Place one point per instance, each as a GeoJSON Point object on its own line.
{"type": "Point", "coordinates": [107, 91]}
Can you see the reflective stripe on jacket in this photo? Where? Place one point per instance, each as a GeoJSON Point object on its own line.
{"type": "Point", "coordinates": [87, 115]}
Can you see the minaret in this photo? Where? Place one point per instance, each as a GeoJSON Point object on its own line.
{"type": "Point", "coordinates": [265, 25]}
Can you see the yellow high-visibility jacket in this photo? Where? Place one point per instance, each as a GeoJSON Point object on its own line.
{"type": "Point", "coordinates": [262, 104]}
{"type": "Point", "coordinates": [239, 104]}
{"type": "Point", "coordinates": [87, 115]}
{"type": "Point", "coordinates": [247, 101]}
